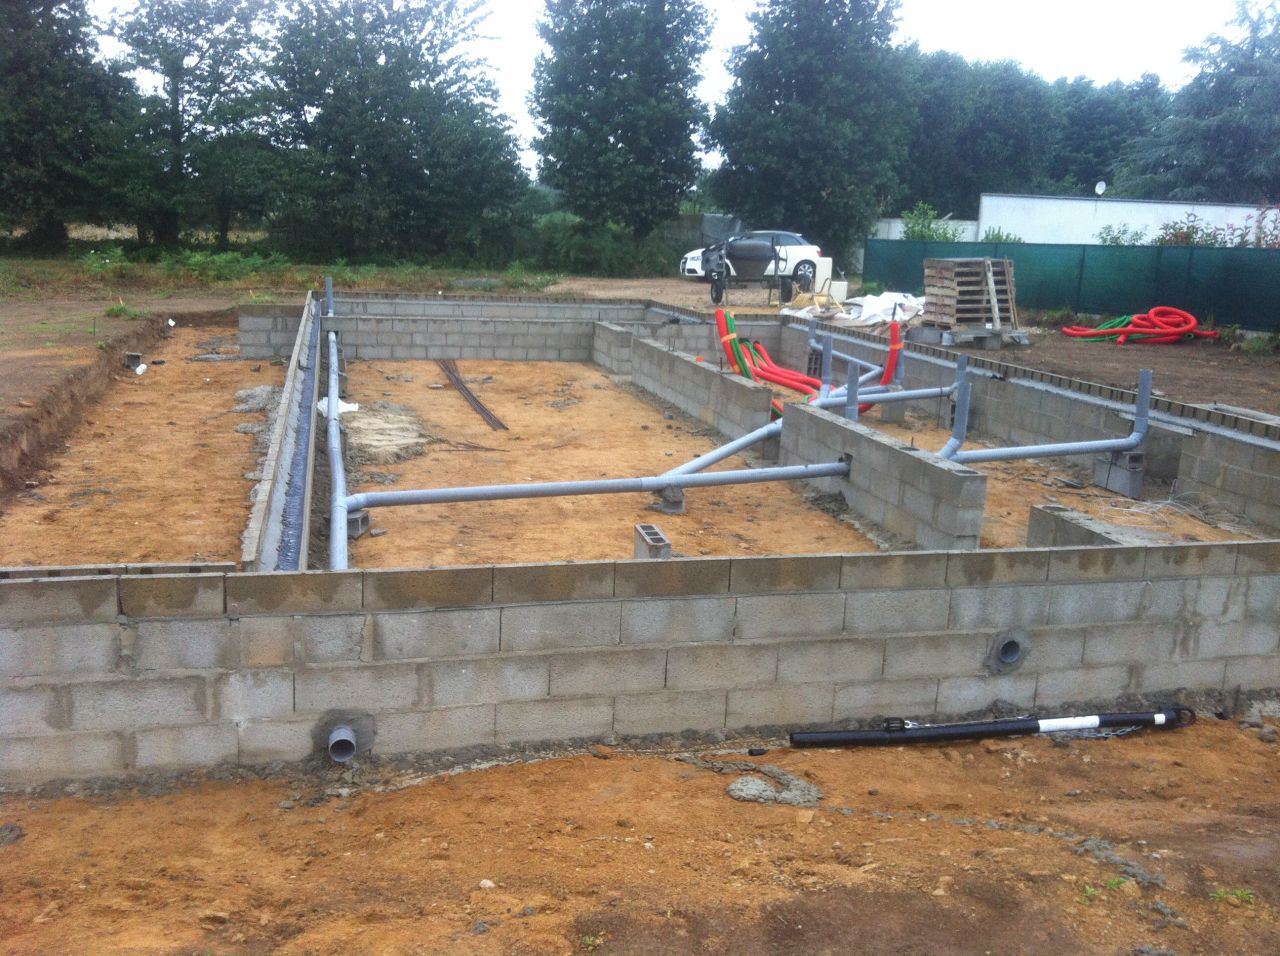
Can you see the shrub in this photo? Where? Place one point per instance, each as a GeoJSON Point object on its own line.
{"type": "Point", "coordinates": [921, 224]}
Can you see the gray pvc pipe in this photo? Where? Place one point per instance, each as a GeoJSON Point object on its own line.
{"type": "Point", "coordinates": [762, 433]}
{"type": "Point", "coordinates": [342, 743]}
{"type": "Point", "coordinates": [338, 555]}
{"type": "Point", "coordinates": [838, 401]}
{"type": "Point", "coordinates": [1142, 410]}
{"type": "Point", "coordinates": [602, 486]}
{"type": "Point", "coordinates": [328, 295]}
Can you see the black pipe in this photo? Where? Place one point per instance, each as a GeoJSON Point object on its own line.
{"type": "Point", "coordinates": [902, 732]}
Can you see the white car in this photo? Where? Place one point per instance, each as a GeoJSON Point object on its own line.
{"type": "Point", "coordinates": [797, 256]}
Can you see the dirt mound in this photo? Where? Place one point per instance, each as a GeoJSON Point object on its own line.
{"type": "Point", "coordinates": [384, 433]}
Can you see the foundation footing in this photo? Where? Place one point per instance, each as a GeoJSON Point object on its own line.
{"type": "Point", "coordinates": [1121, 472]}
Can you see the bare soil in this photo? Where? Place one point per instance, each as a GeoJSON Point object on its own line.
{"type": "Point", "coordinates": [565, 422]}
{"type": "Point", "coordinates": [1164, 840]}
{"type": "Point", "coordinates": [155, 472]}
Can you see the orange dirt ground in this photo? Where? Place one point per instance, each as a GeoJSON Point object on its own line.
{"type": "Point", "coordinates": [566, 421]}
{"type": "Point", "coordinates": [155, 472]}
{"type": "Point", "coordinates": [967, 848]}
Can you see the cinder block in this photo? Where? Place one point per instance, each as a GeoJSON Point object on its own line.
{"type": "Point", "coordinates": [137, 704]}
{"type": "Point", "coordinates": [671, 577]}
{"type": "Point", "coordinates": [432, 730]}
{"type": "Point", "coordinates": [266, 641]}
{"type": "Point", "coordinates": [1190, 560]}
{"type": "Point", "coordinates": [851, 659]}
{"type": "Point", "coordinates": [542, 627]}
{"type": "Point", "coordinates": [1094, 603]}
{"type": "Point", "coordinates": [959, 695]}
{"type": "Point", "coordinates": [716, 666]}
{"type": "Point", "coordinates": [1083, 684]}
{"type": "Point", "coordinates": [436, 634]}
{"type": "Point", "coordinates": [327, 639]}
{"type": "Point", "coordinates": [944, 655]}
{"type": "Point", "coordinates": [1262, 598]}
{"type": "Point", "coordinates": [375, 688]}
{"type": "Point", "coordinates": [490, 681]}
{"type": "Point", "coordinates": [59, 650]}
{"type": "Point", "coordinates": [1224, 599]}
{"type": "Point", "coordinates": [554, 719]}
{"type": "Point", "coordinates": [1171, 675]}
{"type": "Point", "coordinates": [303, 592]}
{"type": "Point", "coordinates": [264, 741]}
{"type": "Point", "coordinates": [74, 600]}
{"type": "Point", "coordinates": [429, 588]}
{"type": "Point", "coordinates": [684, 620]}
{"type": "Point", "coordinates": [1097, 563]}
{"type": "Point", "coordinates": [1131, 644]}
{"type": "Point", "coordinates": [32, 759]}
{"type": "Point", "coordinates": [521, 583]}
{"type": "Point", "coordinates": [909, 569]}
{"type": "Point", "coordinates": [669, 712]}
{"type": "Point", "coordinates": [1235, 638]}
{"type": "Point", "coordinates": [169, 645]}
{"type": "Point", "coordinates": [898, 611]}
{"type": "Point", "coordinates": [1173, 599]}
{"type": "Point", "coordinates": [257, 693]}
{"type": "Point", "coordinates": [886, 698]}
{"type": "Point", "coordinates": [171, 595]}
{"type": "Point", "coordinates": [201, 745]}
{"type": "Point", "coordinates": [608, 672]}
{"type": "Point", "coordinates": [30, 710]}
{"type": "Point", "coordinates": [1258, 557]}
{"type": "Point", "coordinates": [1028, 566]}
{"type": "Point", "coordinates": [790, 615]}
{"type": "Point", "coordinates": [795, 705]}
{"type": "Point", "coordinates": [1253, 673]}
{"type": "Point", "coordinates": [786, 573]}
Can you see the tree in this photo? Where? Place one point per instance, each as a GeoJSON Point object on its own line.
{"type": "Point", "coordinates": [206, 55]}
{"type": "Point", "coordinates": [1221, 141]}
{"type": "Point", "coordinates": [617, 109]}
{"type": "Point", "coordinates": [389, 137]}
{"type": "Point", "coordinates": [1098, 127]}
{"type": "Point", "coordinates": [815, 125]}
{"type": "Point", "coordinates": [60, 112]}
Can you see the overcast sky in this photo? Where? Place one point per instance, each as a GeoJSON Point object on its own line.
{"type": "Point", "coordinates": [1103, 40]}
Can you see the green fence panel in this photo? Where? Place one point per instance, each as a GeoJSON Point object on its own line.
{"type": "Point", "coordinates": [1226, 286]}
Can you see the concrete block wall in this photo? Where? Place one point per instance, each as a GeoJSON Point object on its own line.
{"type": "Point", "coordinates": [104, 675]}
{"type": "Point", "coordinates": [728, 403]}
{"type": "Point", "coordinates": [455, 306]}
{"type": "Point", "coordinates": [268, 331]}
{"type": "Point", "coordinates": [503, 339]}
{"type": "Point", "coordinates": [1240, 472]}
{"type": "Point", "coordinates": [918, 498]}
{"type": "Point", "coordinates": [611, 348]}
{"type": "Point", "coordinates": [1056, 526]}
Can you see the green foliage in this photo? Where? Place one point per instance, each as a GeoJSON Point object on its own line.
{"type": "Point", "coordinates": [1267, 344]}
{"type": "Point", "coordinates": [1244, 896]}
{"type": "Point", "coordinates": [812, 130]}
{"type": "Point", "coordinates": [392, 145]}
{"type": "Point", "coordinates": [206, 53]}
{"type": "Point", "coordinates": [921, 224]}
{"type": "Point", "coordinates": [1260, 230]}
{"type": "Point", "coordinates": [1221, 140]}
{"type": "Point", "coordinates": [1122, 235]}
{"type": "Point", "coordinates": [58, 109]}
{"type": "Point", "coordinates": [562, 242]}
{"type": "Point", "coordinates": [121, 311]}
{"type": "Point", "coordinates": [996, 234]}
{"type": "Point", "coordinates": [107, 262]}
{"type": "Point", "coordinates": [205, 267]}
{"type": "Point", "coordinates": [617, 108]}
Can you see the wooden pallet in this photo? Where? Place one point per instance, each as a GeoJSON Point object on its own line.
{"type": "Point", "coordinates": [970, 292]}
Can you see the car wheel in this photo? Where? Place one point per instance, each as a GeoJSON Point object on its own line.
{"type": "Point", "coordinates": [804, 275]}
{"type": "Point", "coordinates": [786, 289]}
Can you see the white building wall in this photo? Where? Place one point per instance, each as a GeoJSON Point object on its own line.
{"type": "Point", "coordinates": [1064, 219]}
{"type": "Point", "coordinates": [892, 229]}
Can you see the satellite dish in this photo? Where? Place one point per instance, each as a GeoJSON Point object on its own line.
{"type": "Point", "coordinates": [1101, 187]}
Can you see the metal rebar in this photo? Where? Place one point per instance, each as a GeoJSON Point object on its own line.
{"type": "Point", "coordinates": [450, 369]}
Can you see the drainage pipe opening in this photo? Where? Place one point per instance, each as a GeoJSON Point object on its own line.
{"type": "Point", "coordinates": [342, 744]}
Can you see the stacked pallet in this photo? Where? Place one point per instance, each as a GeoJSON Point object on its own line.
{"type": "Point", "coordinates": [970, 293]}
